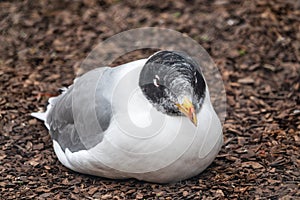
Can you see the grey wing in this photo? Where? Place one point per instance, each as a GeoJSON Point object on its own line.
{"type": "Point", "coordinates": [79, 116]}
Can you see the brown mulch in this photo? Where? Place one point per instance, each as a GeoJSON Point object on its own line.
{"type": "Point", "coordinates": [255, 44]}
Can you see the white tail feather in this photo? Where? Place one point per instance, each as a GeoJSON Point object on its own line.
{"type": "Point", "coordinates": [39, 115]}
{"type": "Point", "coordinates": [43, 115]}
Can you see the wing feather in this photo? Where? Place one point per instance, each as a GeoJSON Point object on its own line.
{"type": "Point", "coordinates": [78, 117]}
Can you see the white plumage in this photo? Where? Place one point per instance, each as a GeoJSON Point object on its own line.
{"type": "Point", "coordinates": [140, 141]}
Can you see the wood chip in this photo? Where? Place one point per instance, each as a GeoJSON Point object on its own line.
{"type": "Point", "coordinates": [254, 165]}
{"type": "Point", "coordinates": [246, 80]}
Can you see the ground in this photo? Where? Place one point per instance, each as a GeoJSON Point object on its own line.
{"type": "Point", "coordinates": [255, 44]}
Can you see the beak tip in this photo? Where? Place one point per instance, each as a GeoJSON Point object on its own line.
{"type": "Point", "coordinates": [195, 122]}
{"type": "Point", "coordinates": [188, 110]}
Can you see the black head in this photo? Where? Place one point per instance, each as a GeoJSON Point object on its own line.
{"type": "Point", "coordinates": [171, 81]}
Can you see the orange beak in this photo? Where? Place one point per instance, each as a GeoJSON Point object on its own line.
{"type": "Point", "coordinates": [187, 108]}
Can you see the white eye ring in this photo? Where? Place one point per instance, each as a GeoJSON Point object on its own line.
{"type": "Point", "coordinates": [155, 82]}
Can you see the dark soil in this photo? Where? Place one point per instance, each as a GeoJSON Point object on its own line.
{"type": "Point", "coordinates": [255, 44]}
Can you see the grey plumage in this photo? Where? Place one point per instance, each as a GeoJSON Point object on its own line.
{"type": "Point", "coordinates": [65, 127]}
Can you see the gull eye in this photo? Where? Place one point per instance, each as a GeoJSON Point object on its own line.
{"type": "Point", "coordinates": [156, 81]}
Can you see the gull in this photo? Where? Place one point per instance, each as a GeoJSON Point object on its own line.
{"type": "Point", "coordinates": [150, 119]}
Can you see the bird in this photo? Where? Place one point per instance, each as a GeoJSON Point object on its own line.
{"type": "Point", "coordinates": [150, 119]}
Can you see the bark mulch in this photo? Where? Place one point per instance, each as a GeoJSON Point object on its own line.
{"type": "Point", "coordinates": [255, 44]}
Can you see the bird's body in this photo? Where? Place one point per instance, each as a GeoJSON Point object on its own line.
{"type": "Point", "coordinates": [106, 124]}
